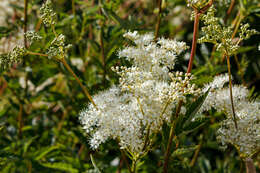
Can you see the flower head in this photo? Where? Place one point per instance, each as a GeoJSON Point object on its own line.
{"type": "Point", "coordinates": [145, 97]}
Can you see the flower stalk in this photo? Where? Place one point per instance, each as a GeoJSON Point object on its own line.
{"type": "Point", "coordinates": [193, 52]}
{"type": "Point", "coordinates": [167, 153]}
{"type": "Point", "coordinates": [157, 27]}
{"type": "Point", "coordinates": [63, 61]}
{"type": "Point", "coordinates": [25, 21]}
{"type": "Point", "coordinates": [194, 40]}
{"type": "Point", "coordinates": [230, 90]}
{"type": "Point", "coordinates": [250, 167]}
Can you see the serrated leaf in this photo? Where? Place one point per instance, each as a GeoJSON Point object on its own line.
{"type": "Point", "coordinates": [60, 166]}
{"type": "Point", "coordinates": [182, 151]}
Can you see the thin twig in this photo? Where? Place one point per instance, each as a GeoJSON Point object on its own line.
{"type": "Point", "coordinates": [73, 6]}
{"type": "Point", "coordinates": [157, 27]}
{"type": "Point", "coordinates": [167, 153]}
{"type": "Point", "coordinates": [63, 61]}
{"type": "Point", "coordinates": [250, 167]}
{"type": "Point", "coordinates": [196, 154]}
{"type": "Point", "coordinates": [103, 56]}
{"type": "Point", "coordinates": [232, 4]}
{"type": "Point", "coordinates": [36, 53]}
{"type": "Point", "coordinates": [125, 160]}
{"type": "Point", "coordinates": [20, 119]}
{"type": "Point", "coordinates": [230, 90]}
{"type": "Point", "coordinates": [25, 21]}
{"type": "Point", "coordinates": [194, 40]}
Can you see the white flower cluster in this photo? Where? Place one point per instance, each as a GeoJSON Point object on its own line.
{"type": "Point", "coordinates": [246, 138]}
{"type": "Point", "coordinates": [146, 95]}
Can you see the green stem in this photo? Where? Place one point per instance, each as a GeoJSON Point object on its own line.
{"type": "Point", "coordinates": [157, 27]}
{"type": "Point", "coordinates": [73, 6]}
{"type": "Point", "coordinates": [168, 149]}
{"type": "Point", "coordinates": [133, 167]}
{"type": "Point", "coordinates": [36, 53]}
{"type": "Point", "coordinates": [196, 154]}
{"type": "Point", "coordinates": [103, 56]}
{"type": "Point", "coordinates": [63, 61]}
{"type": "Point", "coordinates": [125, 160]}
{"type": "Point", "coordinates": [230, 90]}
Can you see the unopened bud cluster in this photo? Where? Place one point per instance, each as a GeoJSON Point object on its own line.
{"type": "Point", "coordinates": [197, 4]}
{"type": "Point", "coordinates": [47, 13]}
{"type": "Point", "coordinates": [32, 36]}
{"type": "Point", "coordinates": [221, 36]}
{"type": "Point", "coordinates": [58, 48]}
{"type": "Point", "coordinates": [15, 56]}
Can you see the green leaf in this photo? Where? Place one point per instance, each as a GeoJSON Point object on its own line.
{"type": "Point", "coordinates": [194, 125]}
{"type": "Point", "coordinates": [245, 49]}
{"type": "Point", "coordinates": [184, 120]}
{"type": "Point", "coordinates": [44, 151]}
{"type": "Point", "coordinates": [182, 151]}
{"type": "Point", "coordinates": [94, 163]}
{"type": "Point", "coordinates": [28, 143]}
{"type": "Point", "coordinates": [60, 166]}
{"type": "Point", "coordinates": [4, 31]}
{"type": "Point", "coordinates": [194, 107]}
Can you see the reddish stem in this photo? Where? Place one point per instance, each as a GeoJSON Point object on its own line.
{"type": "Point", "coordinates": [194, 40]}
{"type": "Point", "coordinates": [250, 167]}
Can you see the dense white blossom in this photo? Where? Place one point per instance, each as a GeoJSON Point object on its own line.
{"type": "Point", "coordinates": [145, 97]}
{"type": "Point", "coordinates": [246, 138]}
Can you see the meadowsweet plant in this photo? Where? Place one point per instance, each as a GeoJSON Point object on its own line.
{"type": "Point", "coordinates": [123, 86]}
{"type": "Point", "coordinates": [147, 93]}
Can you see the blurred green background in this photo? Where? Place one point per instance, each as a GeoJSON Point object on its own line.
{"type": "Point", "coordinates": [40, 101]}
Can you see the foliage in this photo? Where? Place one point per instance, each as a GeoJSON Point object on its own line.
{"type": "Point", "coordinates": [49, 73]}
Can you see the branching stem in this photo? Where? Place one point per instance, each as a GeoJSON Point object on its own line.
{"type": "Point", "coordinates": [63, 61]}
